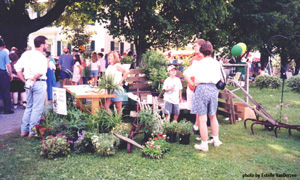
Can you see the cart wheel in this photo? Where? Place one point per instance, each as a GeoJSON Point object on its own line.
{"type": "Point", "coordinates": [269, 127]}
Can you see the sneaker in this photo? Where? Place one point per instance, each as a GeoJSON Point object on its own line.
{"type": "Point", "coordinates": [210, 140]}
{"type": "Point", "coordinates": [196, 128]}
{"type": "Point", "coordinates": [217, 143]}
{"type": "Point", "coordinates": [198, 138]}
{"type": "Point", "coordinates": [24, 105]}
{"type": "Point", "coordinates": [15, 106]}
{"type": "Point", "coordinates": [201, 147]}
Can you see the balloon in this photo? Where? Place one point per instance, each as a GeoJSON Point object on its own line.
{"type": "Point", "coordinates": [236, 50]}
{"type": "Point", "coordinates": [243, 46]}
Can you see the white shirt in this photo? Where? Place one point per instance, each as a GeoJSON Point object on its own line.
{"type": "Point", "coordinates": [112, 70]}
{"type": "Point", "coordinates": [172, 96]}
{"type": "Point", "coordinates": [102, 64]}
{"type": "Point", "coordinates": [207, 70]}
{"type": "Point", "coordinates": [94, 65]}
{"type": "Point", "coordinates": [34, 62]}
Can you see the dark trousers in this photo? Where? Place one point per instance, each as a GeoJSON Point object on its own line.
{"type": "Point", "coordinates": [5, 90]}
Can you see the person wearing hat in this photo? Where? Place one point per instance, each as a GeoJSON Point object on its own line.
{"type": "Point", "coordinates": [172, 87]}
{"type": "Point", "coordinates": [5, 78]}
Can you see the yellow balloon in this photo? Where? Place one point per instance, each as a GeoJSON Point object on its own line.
{"type": "Point", "coordinates": [243, 46]}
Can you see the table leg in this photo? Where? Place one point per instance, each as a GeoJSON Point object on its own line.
{"type": "Point", "coordinates": [79, 103]}
{"type": "Point", "coordinates": [95, 105]}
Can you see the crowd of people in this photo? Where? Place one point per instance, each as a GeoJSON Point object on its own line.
{"type": "Point", "coordinates": [33, 73]}
{"type": "Point", "coordinates": [202, 94]}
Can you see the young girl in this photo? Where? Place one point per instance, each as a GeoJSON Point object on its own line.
{"type": "Point", "coordinates": [95, 68]}
{"type": "Point", "coordinates": [77, 70]}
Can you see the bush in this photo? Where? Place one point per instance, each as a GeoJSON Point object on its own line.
{"type": "Point", "coordinates": [294, 83]}
{"type": "Point", "coordinates": [105, 144]}
{"type": "Point", "coordinates": [185, 127]}
{"type": "Point", "coordinates": [52, 147]}
{"type": "Point", "coordinates": [122, 129]}
{"type": "Point", "coordinates": [127, 60]}
{"type": "Point", "coordinates": [154, 64]}
{"type": "Point", "coordinates": [170, 127]}
{"type": "Point", "coordinates": [266, 81]}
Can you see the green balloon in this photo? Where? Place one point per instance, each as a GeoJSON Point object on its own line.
{"type": "Point", "coordinates": [236, 50]}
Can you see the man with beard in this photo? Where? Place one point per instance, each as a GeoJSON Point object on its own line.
{"type": "Point", "coordinates": [35, 65]}
{"type": "Point", "coordinates": [66, 62]}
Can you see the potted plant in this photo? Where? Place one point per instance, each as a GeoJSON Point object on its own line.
{"type": "Point", "coordinates": [52, 147]}
{"type": "Point", "coordinates": [156, 146]}
{"type": "Point", "coordinates": [105, 144]}
{"type": "Point", "coordinates": [108, 83]}
{"type": "Point", "coordinates": [127, 61]}
{"type": "Point", "coordinates": [146, 120]}
{"type": "Point", "coordinates": [122, 129]}
{"type": "Point", "coordinates": [185, 128]}
{"type": "Point", "coordinates": [170, 129]}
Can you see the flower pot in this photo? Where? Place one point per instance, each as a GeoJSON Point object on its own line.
{"type": "Point", "coordinates": [151, 157]}
{"type": "Point", "coordinates": [171, 137]}
{"type": "Point", "coordinates": [184, 139]}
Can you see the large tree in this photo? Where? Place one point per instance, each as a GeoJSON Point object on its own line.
{"type": "Point", "coordinates": [255, 22]}
{"type": "Point", "coordinates": [165, 23]}
{"type": "Point", "coordinates": [16, 24]}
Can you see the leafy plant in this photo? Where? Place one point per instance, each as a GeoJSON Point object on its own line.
{"type": "Point", "coordinates": [156, 146]}
{"type": "Point", "coordinates": [122, 129]}
{"type": "Point", "coordinates": [108, 82]}
{"type": "Point", "coordinates": [105, 144]}
{"type": "Point", "coordinates": [127, 60]}
{"type": "Point", "coordinates": [294, 83]}
{"type": "Point", "coordinates": [170, 127]}
{"type": "Point", "coordinates": [154, 64]}
{"type": "Point", "coordinates": [109, 121]}
{"type": "Point", "coordinates": [146, 118]}
{"type": "Point", "coordinates": [185, 127]}
{"type": "Point", "coordinates": [266, 81]}
{"type": "Point", "coordinates": [52, 147]}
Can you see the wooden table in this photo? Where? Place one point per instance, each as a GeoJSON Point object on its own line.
{"type": "Point", "coordinates": [86, 92]}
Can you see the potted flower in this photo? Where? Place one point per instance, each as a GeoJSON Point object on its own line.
{"type": "Point", "coordinates": [105, 144]}
{"type": "Point", "coordinates": [156, 146]}
{"type": "Point", "coordinates": [122, 129]}
{"type": "Point", "coordinates": [185, 128]}
{"type": "Point", "coordinates": [146, 119]}
{"type": "Point", "coordinates": [52, 147]}
{"type": "Point", "coordinates": [170, 129]}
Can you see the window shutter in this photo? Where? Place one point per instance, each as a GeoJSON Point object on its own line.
{"type": "Point", "coordinates": [93, 45]}
{"type": "Point", "coordinates": [122, 48]}
{"type": "Point", "coordinates": [112, 45]}
{"type": "Point", "coordinates": [58, 48]}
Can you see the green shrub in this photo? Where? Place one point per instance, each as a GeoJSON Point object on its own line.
{"type": "Point", "coordinates": [105, 144]}
{"type": "Point", "coordinates": [127, 60]}
{"type": "Point", "coordinates": [122, 129]}
{"type": "Point", "coordinates": [170, 127]}
{"type": "Point", "coordinates": [146, 118]}
{"type": "Point", "coordinates": [52, 147]}
{"type": "Point", "coordinates": [154, 64]}
{"type": "Point", "coordinates": [266, 81]}
{"type": "Point", "coordinates": [185, 127]}
{"type": "Point", "coordinates": [294, 83]}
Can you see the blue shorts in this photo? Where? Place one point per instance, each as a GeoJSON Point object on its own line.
{"type": "Point", "coordinates": [65, 75]}
{"type": "Point", "coordinates": [120, 95]}
{"type": "Point", "coordinates": [94, 73]}
{"type": "Point", "coordinates": [170, 108]}
{"type": "Point", "coordinates": [205, 100]}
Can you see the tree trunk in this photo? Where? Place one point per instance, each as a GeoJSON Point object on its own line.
{"type": "Point", "coordinates": [141, 48]}
{"type": "Point", "coordinates": [16, 25]}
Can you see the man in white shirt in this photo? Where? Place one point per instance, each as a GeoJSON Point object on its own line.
{"type": "Point", "coordinates": [35, 66]}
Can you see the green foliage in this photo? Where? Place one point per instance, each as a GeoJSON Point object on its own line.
{"type": "Point", "coordinates": [108, 82]}
{"type": "Point", "coordinates": [154, 64]}
{"type": "Point", "coordinates": [156, 146]}
{"type": "Point", "coordinates": [294, 83]}
{"type": "Point", "coordinates": [105, 144]}
{"type": "Point", "coordinates": [266, 81]}
{"type": "Point", "coordinates": [146, 118]}
{"type": "Point", "coordinates": [52, 147]}
{"type": "Point", "coordinates": [109, 121]}
{"type": "Point", "coordinates": [122, 129]}
{"type": "Point", "coordinates": [127, 60]}
{"type": "Point", "coordinates": [185, 127]}
{"type": "Point", "coordinates": [86, 72]}
{"type": "Point", "coordinates": [170, 127]}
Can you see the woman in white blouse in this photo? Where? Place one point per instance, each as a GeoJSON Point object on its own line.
{"type": "Point", "coordinates": [119, 73]}
{"type": "Point", "coordinates": [207, 73]}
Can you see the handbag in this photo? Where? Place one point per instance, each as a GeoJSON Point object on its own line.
{"type": "Point", "coordinates": [221, 85]}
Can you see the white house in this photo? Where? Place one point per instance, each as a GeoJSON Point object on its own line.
{"type": "Point", "coordinates": [101, 41]}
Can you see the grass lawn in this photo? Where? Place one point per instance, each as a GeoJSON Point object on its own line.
{"type": "Point", "coordinates": [241, 153]}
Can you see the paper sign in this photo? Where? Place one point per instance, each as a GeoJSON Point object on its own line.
{"type": "Point", "coordinates": [59, 101]}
